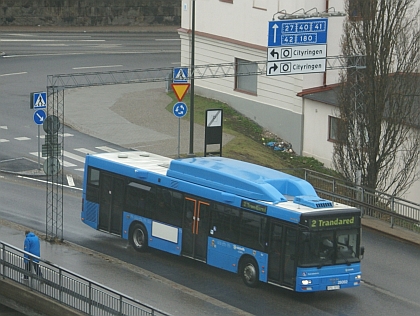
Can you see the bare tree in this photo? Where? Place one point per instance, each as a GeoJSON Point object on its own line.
{"type": "Point", "coordinates": [379, 108]}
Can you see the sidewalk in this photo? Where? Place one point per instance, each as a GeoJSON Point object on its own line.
{"type": "Point", "coordinates": [142, 285]}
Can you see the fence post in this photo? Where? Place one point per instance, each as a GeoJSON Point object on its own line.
{"type": "Point", "coordinates": [90, 298]}
{"type": "Point", "coordinates": [60, 285]}
{"type": "Point", "coordinates": [392, 210]}
{"type": "Point", "coordinates": [121, 306]}
{"type": "Point", "coordinates": [2, 260]}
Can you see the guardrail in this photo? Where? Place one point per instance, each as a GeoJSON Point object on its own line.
{"type": "Point", "coordinates": [377, 204]}
{"type": "Point", "coordinates": [69, 288]}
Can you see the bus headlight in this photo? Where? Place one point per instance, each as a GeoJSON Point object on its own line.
{"type": "Point", "coordinates": [306, 282]}
{"type": "Point", "coordinates": [358, 277]}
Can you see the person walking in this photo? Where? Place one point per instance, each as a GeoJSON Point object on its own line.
{"type": "Point", "coordinates": [32, 246]}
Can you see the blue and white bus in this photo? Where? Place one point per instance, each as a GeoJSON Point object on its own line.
{"type": "Point", "coordinates": [263, 224]}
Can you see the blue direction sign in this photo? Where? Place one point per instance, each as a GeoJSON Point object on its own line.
{"type": "Point", "coordinates": [180, 109]}
{"type": "Point", "coordinates": [297, 32]}
{"type": "Point", "coordinates": [39, 117]}
{"type": "Point", "coordinates": [180, 74]}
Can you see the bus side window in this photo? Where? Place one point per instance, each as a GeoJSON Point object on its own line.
{"type": "Point", "coordinates": [177, 207]}
{"type": "Point", "coordinates": [224, 224]}
{"type": "Point", "coordinates": [251, 227]}
{"type": "Point", "coordinates": [136, 196]}
{"type": "Point", "coordinates": [92, 192]}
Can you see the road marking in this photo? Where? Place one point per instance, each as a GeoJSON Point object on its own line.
{"type": "Point", "coordinates": [2, 140]}
{"type": "Point", "coordinates": [107, 149]}
{"type": "Point", "coordinates": [3, 127]}
{"type": "Point", "coordinates": [13, 74]}
{"type": "Point", "coordinates": [64, 135]}
{"type": "Point", "coordinates": [70, 180]}
{"type": "Point", "coordinates": [73, 156]}
{"type": "Point", "coordinates": [48, 40]}
{"type": "Point", "coordinates": [44, 181]}
{"type": "Point", "coordinates": [85, 151]}
{"type": "Point", "coordinates": [64, 163]}
{"type": "Point", "coordinates": [93, 67]}
{"type": "Point", "coordinates": [22, 138]}
{"type": "Point", "coordinates": [96, 52]}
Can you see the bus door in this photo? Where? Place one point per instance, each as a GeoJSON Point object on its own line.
{"type": "Point", "coordinates": [111, 201]}
{"type": "Point", "coordinates": [195, 229]}
{"type": "Point", "coordinates": [282, 255]}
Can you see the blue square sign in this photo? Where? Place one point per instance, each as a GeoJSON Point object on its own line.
{"type": "Point", "coordinates": [39, 100]}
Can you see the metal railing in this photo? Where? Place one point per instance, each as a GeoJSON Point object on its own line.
{"type": "Point", "coordinates": [396, 211]}
{"type": "Point", "coordinates": [68, 288]}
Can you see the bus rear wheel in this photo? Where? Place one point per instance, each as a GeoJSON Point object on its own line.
{"type": "Point", "coordinates": [138, 237]}
{"type": "Point", "coordinates": [249, 272]}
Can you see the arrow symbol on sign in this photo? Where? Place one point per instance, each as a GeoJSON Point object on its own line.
{"type": "Point", "coordinates": [275, 68]}
{"type": "Point", "coordinates": [41, 118]}
{"type": "Point", "coordinates": [275, 27]}
{"type": "Point", "coordinates": [273, 52]}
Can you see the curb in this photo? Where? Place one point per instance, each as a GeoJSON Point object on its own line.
{"type": "Point", "coordinates": [27, 173]}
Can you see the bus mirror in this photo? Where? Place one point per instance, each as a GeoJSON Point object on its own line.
{"type": "Point", "coordinates": [362, 251]}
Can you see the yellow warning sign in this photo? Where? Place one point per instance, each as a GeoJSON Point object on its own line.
{"type": "Point", "coordinates": [180, 89]}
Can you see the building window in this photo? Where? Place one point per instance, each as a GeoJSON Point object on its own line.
{"type": "Point", "coordinates": [354, 12]}
{"type": "Point", "coordinates": [334, 129]}
{"type": "Point", "coordinates": [246, 76]}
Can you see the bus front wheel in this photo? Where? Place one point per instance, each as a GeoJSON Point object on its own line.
{"type": "Point", "coordinates": [138, 237]}
{"type": "Point", "coordinates": [249, 272]}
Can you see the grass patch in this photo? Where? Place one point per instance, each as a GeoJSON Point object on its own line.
{"type": "Point", "coordinates": [250, 142]}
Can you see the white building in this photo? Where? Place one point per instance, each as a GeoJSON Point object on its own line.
{"type": "Point", "coordinates": [229, 31]}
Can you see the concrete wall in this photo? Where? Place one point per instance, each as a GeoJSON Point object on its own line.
{"type": "Point", "coordinates": [89, 12]}
{"type": "Point", "coordinates": [28, 302]}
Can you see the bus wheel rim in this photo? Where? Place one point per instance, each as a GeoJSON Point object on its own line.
{"type": "Point", "coordinates": [249, 273]}
{"type": "Point", "coordinates": [138, 238]}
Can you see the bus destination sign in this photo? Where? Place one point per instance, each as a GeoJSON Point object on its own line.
{"type": "Point", "coordinates": [254, 206]}
{"type": "Point", "coordinates": [333, 222]}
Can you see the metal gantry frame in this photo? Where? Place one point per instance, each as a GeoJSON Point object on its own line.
{"type": "Point", "coordinates": [56, 85]}
{"type": "Point", "coordinates": [54, 196]}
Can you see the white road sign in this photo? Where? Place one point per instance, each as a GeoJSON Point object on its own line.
{"type": "Point", "coordinates": [296, 52]}
{"type": "Point", "coordinates": [292, 67]}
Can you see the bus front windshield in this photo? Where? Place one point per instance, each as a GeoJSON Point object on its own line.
{"type": "Point", "coordinates": [329, 247]}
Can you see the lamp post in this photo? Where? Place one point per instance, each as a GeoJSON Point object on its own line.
{"type": "Point", "coordinates": [191, 149]}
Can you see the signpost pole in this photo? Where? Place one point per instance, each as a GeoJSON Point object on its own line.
{"type": "Point", "coordinates": [179, 136]}
{"type": "Point", "coordinates": [39, 148]}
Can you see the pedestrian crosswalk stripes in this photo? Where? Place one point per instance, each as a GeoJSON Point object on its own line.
{"type": "Point", "coordinates": [77, 160]}
{"type": "Point", "coordinates": [64, 135]}
{"type": "Point", "coordinates": [107, 149]}
{"type": "Point", "coordinates": [85, 151]}
{"type": "Point", "coordinates": [25, 138]}
{"type": "Point", "coordinates": [73, 156]}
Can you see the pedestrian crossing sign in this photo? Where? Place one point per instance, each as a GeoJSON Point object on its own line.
{"type": "Point", "coordinates": [38, 100]}
{"type": "Point", "coordinates": [180, 75]}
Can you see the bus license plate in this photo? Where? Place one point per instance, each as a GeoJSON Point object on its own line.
{"type": "Point", "coordinates": [333, 287]}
